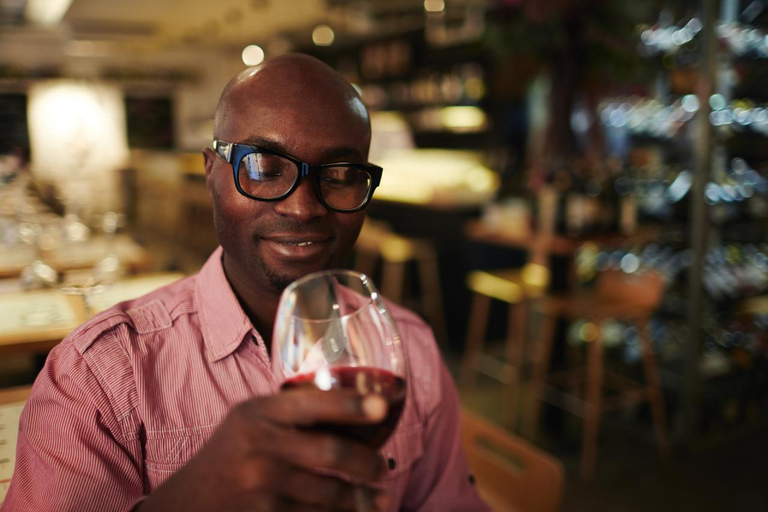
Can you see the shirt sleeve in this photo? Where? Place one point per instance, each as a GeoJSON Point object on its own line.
{"type": "Point", "coordinates": [71, 451]}
{"type": "Point", "coordinates": [441, 479]}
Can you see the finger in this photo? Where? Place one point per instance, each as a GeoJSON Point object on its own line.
{"type": "Point", "coordinates": [368, 501]}
{"type": "Point", "coordinates": [305, 407]}
{"type": "Point", "coordinates": [324, 491]}
{"type": "Point", "coordinates": [311, 449]}
{"type": "Point", "coordinates": [380, 503]}
{"type": "Point", "coordinates": [271, 503]}
{"type": "Point", "coordinates": [294, 506]}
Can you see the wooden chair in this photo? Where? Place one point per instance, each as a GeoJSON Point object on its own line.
{"type": "Point", "coordinates": [378, 243]}
{"type": "Point", "coordinates": [632, 297]}
{"type": "Point", "coordinates": [511, 475]}
{"type": "Point", "coordinates": [516, 287]}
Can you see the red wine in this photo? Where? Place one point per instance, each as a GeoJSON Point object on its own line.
{"type": "Point", "coordinates": [365, 380]}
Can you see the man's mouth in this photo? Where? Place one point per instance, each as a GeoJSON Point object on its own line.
{"type": "Point", "coordinates": [299, 239]}
{"type": "Point", "coordinates": [301, 246]}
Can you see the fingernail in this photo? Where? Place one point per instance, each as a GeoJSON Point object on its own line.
{"type": "Point", "coordinates": [382, 502]}
{"type": "Point", "coordinates": [374, 407]}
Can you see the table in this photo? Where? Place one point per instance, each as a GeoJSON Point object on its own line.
{"type": "Point", "coordinates": [552, 250]}
{"type": "Point", "coordinates": [550, 244]}
{"type": "Point", "coordinates": [14, 395]}
{"type": "Point", "coordinates": [37, 321]}
{"type": "Point", "coordinates": [11, 403]}
{"type": "Point", "coordinates": [69, 256]}
{"type": "Point", "coordinates": [34, 321]}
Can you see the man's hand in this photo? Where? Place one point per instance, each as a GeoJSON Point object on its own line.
{"type": "Point", "coordinates": [264, 457]}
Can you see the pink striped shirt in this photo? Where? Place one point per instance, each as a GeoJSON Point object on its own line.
{"type": "Point", "coordinates": [130, 396]}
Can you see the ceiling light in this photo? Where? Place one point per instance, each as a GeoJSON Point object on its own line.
{"type": "Point", "coordinates": [434, 5]}
{"type": "Point", "coordinates": [323, 35]}
{"type": "Point", "coordinates": [463, 119]}
{"type": "Point", "coordinates": [46, 12]}
{"type": "Point", "coordinates": [77, 133]}
{"type": "Point", "coordinates": [253, 55]}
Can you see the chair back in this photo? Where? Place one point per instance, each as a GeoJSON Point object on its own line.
{"type": "Point", "coordinates": [643, 290]}
{"type": "Point", "coordinates": [511, 474]}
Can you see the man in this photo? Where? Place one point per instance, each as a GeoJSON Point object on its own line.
{"type": "Point", "coordinates": [168, 402]}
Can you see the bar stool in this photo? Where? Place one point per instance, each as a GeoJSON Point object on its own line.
{"type": "Point", "coordinates": [378, 243]}
{"type": "Point", "coordinates": [516, 287]}
{"type": "Point", "coordinates": [616, 295]}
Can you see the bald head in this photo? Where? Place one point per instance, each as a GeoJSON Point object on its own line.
{"type": "Point", "coordinates": [287, 82]}
{"type": "Point", "coordinates": [297, 107]}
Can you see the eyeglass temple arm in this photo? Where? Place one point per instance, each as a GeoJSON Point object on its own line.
{"type": "Point", "coordinates": [224, 149]}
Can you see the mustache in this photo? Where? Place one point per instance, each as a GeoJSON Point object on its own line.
{"type": "Point", "coordinates": [288, 226]}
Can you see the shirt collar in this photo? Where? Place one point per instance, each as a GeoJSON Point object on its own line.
{"type": "Point", "coordinates": [223, 322]}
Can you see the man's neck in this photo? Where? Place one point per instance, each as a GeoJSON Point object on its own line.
{"type": "Point", "coordinates": [259, 305]}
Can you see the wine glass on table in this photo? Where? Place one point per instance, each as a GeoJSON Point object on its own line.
{"type": "Point", "coordinates": [82, 294]}
{"type": "Point", "coordinates": [109, 268]}
{"type": "Point", "coordinates": [334, 331]}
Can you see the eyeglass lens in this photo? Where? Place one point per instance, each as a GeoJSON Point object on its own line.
{"type": "Point", "coordinates": [267, 176]}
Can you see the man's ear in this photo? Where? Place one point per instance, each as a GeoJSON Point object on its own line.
{"type": "Point", "coordinates": [209, 158]}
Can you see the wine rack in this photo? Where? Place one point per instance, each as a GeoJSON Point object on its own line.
{"type": "Point", "coordinates": [704, 183]}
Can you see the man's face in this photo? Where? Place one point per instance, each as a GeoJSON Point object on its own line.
{"type": "Point", "coordinates": [268, 245]}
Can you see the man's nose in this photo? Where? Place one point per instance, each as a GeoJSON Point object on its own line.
{"type": "Point", "coordinates": [303, 204]}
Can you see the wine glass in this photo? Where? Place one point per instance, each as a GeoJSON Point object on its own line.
{"type": "Point", "coordinates": [334, 331]}
{"type": "Point", "coordinates": [38, 273]}
{"type": "Point", "coordinates": [109, 268]}
{"type": "Point", "coordinates": [82, 294]}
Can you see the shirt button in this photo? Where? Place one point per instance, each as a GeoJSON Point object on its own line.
{"type": "Point", "coordinates": [391, 464]}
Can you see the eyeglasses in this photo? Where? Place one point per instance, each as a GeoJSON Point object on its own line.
{"type": "Point", "coordinates": [267, 175]}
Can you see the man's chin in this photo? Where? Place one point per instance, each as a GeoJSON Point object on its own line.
{"type": "Point", "coordinates": [279, 282]}
{"type": "Point", "coordinates": [280, 279]}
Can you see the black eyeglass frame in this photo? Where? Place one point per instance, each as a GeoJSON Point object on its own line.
{"type": "Point", "coordinates": [233, 152]}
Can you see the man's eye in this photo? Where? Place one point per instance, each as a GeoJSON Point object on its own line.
{"type": "Point", "coordinates": [337, 182]}
{"type": "Point", "coordinates": [270, 174]}
{"type": "Point", "coordinates": [261, 174]}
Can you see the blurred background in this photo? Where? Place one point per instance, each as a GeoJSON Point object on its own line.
{"type": "Point", "coordinates": [574, 197]}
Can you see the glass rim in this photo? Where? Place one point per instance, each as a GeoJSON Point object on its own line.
{"type": "Point", "coordinates": [367, 281]}
{"type": "Point", "coordinates": [288, 358]}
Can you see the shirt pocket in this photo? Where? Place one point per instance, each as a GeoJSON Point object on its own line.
{"type": "Point", "coordinates": [167, 451]}
{"type": "Point", "coordinates": [403, 449]}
